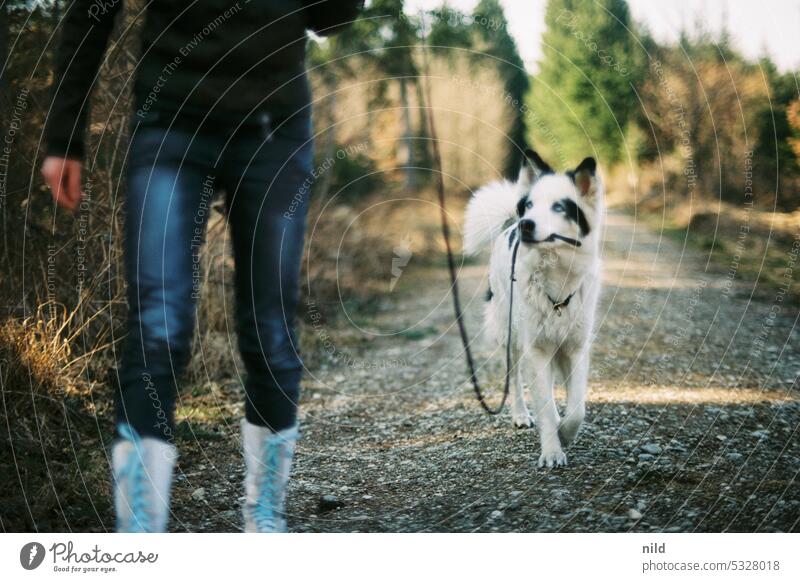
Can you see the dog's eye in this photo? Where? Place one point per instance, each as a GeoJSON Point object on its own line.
{"type": "Point", "coordinates": [529, 204]}
{"type": "Point", "coordinates": [558, 207]}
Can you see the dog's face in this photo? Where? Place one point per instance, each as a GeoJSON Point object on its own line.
{"type": "Point", "coordinates": [556, 209]}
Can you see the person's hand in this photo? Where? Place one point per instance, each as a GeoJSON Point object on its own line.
{"type": "Point", "coordinates": [64, 178]}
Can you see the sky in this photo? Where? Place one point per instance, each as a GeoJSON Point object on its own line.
{"type": "Point", "coordinates": [770, 26]}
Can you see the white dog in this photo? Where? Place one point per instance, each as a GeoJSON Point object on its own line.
{"type": "Point", "coordinates": [558, 219]}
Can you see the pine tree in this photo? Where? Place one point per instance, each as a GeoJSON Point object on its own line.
{"type": "Point", "coordinates": [583, 95]}
{"type": "Point", "coordinates": [449, 29]}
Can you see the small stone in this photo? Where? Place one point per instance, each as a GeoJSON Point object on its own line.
{"type": "Point", "coordinates": [734, 456]}
{"type": "Point", "coordinates": [496, 514]}
{"type": "Point", "coordinates": [652, 449]}
{"type": "Point", "coordinates": [635, 514]}
{"type": "Point", "coordinates": [645, 457]}
{"type": "Point", "coordinates": [199, 494]}
{"type": "Point", "coordinates": [329, 503]}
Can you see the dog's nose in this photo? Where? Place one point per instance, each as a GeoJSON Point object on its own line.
{"type": "Point", "coordinates": [526, 229]}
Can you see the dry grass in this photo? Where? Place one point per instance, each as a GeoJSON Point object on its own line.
{"type": "Point", "coordinates": [51, 446]}
{"type": "Point", "coordinates": [473, 118]}
{"type": "Point", "coordinates": [761, 245]}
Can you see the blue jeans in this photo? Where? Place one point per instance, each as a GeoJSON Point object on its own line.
{"type": "Point", "coordinates": [264, 169]}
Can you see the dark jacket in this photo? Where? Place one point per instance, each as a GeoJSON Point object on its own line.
{"type": "Point", "coordinates": [218, 57]}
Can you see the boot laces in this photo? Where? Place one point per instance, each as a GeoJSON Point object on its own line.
{"type": "Point", "coordinates": [133, 478]}
{"type": "Point", "coordinates": [268, 512]}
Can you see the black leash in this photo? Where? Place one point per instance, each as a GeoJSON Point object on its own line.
{"type": "Point", "coordinates": [437, 162]}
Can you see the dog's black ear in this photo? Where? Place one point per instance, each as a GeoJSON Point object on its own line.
{"type": "Point", "coordinates": [585, 177]}
{"type": "Point", "coordinates": [532, 168]}
{"type": "Point", "coordinates": [523, 202]}
{"type": "Point", "coordinates": [537, 162]}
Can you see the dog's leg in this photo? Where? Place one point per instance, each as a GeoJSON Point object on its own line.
{"type": "Point", "coordinates": [577, 367]}
{"type": "Point", "coordinates": [520, 415]}
{"type": "Point", "coordinates": [539, 367]}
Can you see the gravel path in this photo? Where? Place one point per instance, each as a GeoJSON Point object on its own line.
{"type": "Point", "coordinates": [691, 425]}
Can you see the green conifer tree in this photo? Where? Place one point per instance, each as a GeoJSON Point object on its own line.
{"type": "Point", "coordinates": [583, 93]}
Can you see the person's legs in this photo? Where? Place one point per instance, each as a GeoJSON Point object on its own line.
{"type": "Point", "coordinates": [267, 204]}
{"type": "Point", "coordinates": [268, 185]}
{"type": "Point", "coordinates": [168, 199]}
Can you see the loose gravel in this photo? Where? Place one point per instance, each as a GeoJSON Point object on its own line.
{"type": "Point", "coordinates": [691, 424]}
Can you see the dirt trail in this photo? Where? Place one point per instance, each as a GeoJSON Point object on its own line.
{"type": "Point", "coordinates": [691, 423]}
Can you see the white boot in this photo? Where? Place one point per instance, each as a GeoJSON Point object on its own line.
{"type": "Point", "coordinates": [142, 479]}
{"type": "Point", "coordinates": [268, 457]}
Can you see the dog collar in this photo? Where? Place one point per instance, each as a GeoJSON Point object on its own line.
{"type": "Point", "coordinates": [559, 305]}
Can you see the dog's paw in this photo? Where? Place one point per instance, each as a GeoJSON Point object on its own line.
{"type": "Point", "coordinates": [568, 431]}
{"type": "Point", "coordinates": [522, 419]}
{"type": "Point", "coordinates": [550, 459]}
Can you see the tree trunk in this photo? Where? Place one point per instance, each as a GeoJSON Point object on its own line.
{"type": "Point", "coordinates": [408, 137]}
{"type": "Point", "coordinates": [329, 150]}
{"type": "Point", "coordinates": [423, 152]}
